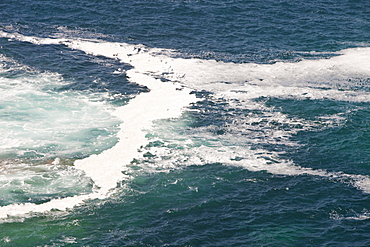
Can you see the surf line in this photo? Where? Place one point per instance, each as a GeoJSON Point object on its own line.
{"type": "Point", "coordinates": [164, 100]}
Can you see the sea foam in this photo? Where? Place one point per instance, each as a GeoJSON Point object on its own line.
{"type": "Point", "coordinates": [330, 78]}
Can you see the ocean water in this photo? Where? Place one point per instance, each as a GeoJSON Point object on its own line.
{"type": "Point", "coordinates": [184, 123]}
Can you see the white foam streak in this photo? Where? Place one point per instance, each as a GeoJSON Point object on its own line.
{"type": "Point", "coordinates": [360, 182]}
{"type": "Point", "coordinates": [306, 78]}
{"type": "Point", "coordinates": [55, 204]}
{"type": "Point", "coordinates": [167, 100]}
{"type": "Point", "coordinates": [163, 101]}
{"type": "Point", "coordinates": [256, 161]}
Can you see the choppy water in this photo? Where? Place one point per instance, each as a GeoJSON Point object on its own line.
{"type": "Point", "coordinates": [184, 123]}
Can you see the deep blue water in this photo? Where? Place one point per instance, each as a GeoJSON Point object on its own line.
{"type": "Point", "coordinates": [274, 151]}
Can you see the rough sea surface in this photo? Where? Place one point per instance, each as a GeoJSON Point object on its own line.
{"type": "Point", "coordinates": [184, 123]}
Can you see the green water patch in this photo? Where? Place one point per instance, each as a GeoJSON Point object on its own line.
{"type": "Point", "coordinates": [210, 205]}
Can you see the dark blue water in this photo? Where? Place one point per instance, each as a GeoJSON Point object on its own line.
{"type": "Point", "coordinates": [274, 151]}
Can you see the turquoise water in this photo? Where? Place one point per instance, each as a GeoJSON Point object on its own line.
{"type": "Point", "coordinates": [184, 123]}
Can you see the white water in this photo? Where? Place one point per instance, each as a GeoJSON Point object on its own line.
{"type": "Point", "coordinates": [41, 122]}
{"type": "Point", "coordinates": [333, 78]}
{"type": "Point", "coordinates": [165, 100]}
